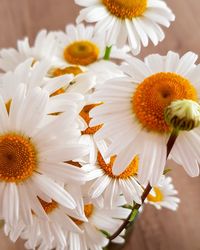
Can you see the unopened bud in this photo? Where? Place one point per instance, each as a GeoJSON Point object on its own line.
{"type": "Point", "coordinates": [183, 114]}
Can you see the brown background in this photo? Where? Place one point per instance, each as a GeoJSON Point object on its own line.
{"type": "Point", "coordinates": [155, 230]}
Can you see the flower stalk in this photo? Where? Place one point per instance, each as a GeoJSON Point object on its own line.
{"type": "Point", "coordinates": [107, 53]}
{"type": "Point", "coordinates": [147, 190]}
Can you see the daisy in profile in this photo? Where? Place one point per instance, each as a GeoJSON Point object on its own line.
{"type": "Point", "coordinates": [43, 48]}
{"type": "Point", "coordinates": [133, 114]}
{"type": "Point", "coordinates": [134, 20]}
{"type": "Point", "coordinates": [79, 46]}
{"type": "Point", "coordinates": [164, 195]}
{"type": "Point", "coordinates": [104, 184]}
{"type": "Point", "coordinates": [101, 222]}
{"type": "Point", "coordinates": [33, 155]}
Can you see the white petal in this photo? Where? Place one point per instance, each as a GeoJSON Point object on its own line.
{"type": "Point", "coordinates": [54, 191]}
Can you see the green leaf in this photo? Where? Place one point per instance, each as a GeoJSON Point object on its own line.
{"type": "Point", "coordinates": [128, 207]}
{"type": "Point", "coordinates": [133, 215]}
{"type": "Point", "coordinates": [105, 233]}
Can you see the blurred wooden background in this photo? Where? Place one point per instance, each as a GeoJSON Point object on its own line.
{"type": "Point", "coordinates": [155, 230]}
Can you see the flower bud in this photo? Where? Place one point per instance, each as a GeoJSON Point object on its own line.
{"type": "Point", "coordinates": [183, 114]}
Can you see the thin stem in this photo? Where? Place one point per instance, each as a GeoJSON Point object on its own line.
{"type": "Point", "coordinates": [147, 190]}
{"type": "Point", "coordinates": [107, 53]}
{"type": "Point", "coordinates": [133, 211]}
{"type": "Point", "coordinates": [171, 141]}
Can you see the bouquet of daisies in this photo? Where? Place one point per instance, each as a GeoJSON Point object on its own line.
{"type": "Point", "coordinates": [86, 127]}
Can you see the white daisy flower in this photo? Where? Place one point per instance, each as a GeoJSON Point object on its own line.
{"type": "Point", "coordinates": [33, 154]}
{"type": "Point", "coordinates": [61, 232]}
{"type": "Point", "coordinates": [43, 48]}
{"type": "Point", "coordinates": [32, 76]}
{"type": "Point", "coordinates": [80, 47]}
{"type": "Point", "coordinates": [104, 184]}
{"type": "Point", "coordinates": [64, 90]}
{"type": "Point", "coordinates": [82, 82]}
{"type": "Point", "coordinates": [51, 233]}
{"type": "Point", "coordinates": [133, 114]}
{"type": "Point", "coordinates": [134, 20]}
{"type": "Point", "coordinates": [163, 195]}
{"type": "Point", "coordinates": [99, 220]}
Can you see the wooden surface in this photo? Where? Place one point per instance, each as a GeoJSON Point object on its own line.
{"type": "Point", "coordinates": [155, 230]}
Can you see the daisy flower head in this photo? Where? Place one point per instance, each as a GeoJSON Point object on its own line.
{"type": "Point", "coordinates": [164, 195]}
{"type": "Point", "coordinates": [33, 76]}
{"type": "Point", "coordinates": [81, 48]}
{"type": "Point", "coordinates": [49, 234]}
{"type": "Point", "coordinates": [34, 155]}
{"type": "Point", "coordinates": [133, 114]}
{"type": "Point", "coordinates": [134, 20]}
{"type": "Point", "coordinates": [102, 183]}
{"type": "Point", "coordinates": [64, 89]}
{"type": "Point", "coordinates": [82, 82]}
{"type": "Point", "coordinates": [43, 48]}
{"type": "Point", "coordinates": [101, 222]}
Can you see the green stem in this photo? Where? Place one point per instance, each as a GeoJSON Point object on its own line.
{"type": "Point", "coordinates": [147, 190]}
{"type": "Point", "coordinates": [107, 53]}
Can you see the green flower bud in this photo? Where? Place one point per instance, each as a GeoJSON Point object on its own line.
{"type": "Point", "coordinates": [183, 115]}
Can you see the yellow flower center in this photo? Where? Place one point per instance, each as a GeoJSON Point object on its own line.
{"type": "Point", "coordinates": [81, 53]}
{"type": "Point", "coordinates": [85, 115]}
{"type": "Point", "coordinates": [158, 195]}
{"type": "Point", "coordinates": [131, 169]}
{"type": "Point", "coordinates": [18, 158]}
{"type": "Point", "coordinates": [88, 209]}
{"type": "Point", "coordinates": [126, 8]}
{"type": "Point", "coordinates": [155, 93]}
{"type": "Point", "coordinates": [48, 206]}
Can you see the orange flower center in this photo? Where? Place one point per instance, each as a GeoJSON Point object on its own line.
{"type": "Point", "coordinates": [18, 158]}
{"type": "Point", "coordinates": [85, 115]}
{"type": "Point", "coordinates": [88, 209]}
{"type": "Point", "coordinates": [126, 8]}
{"type": "Point", "coordinates": [158, 195]}
{"type": "Point", "coordinates": [131, 169]}
{"type": "Point", "coordinates": [155, 93]}
{"type": "Point", "coordinates": [48, 206]}
{"type": "Point", "coordinates": [81, 53]}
